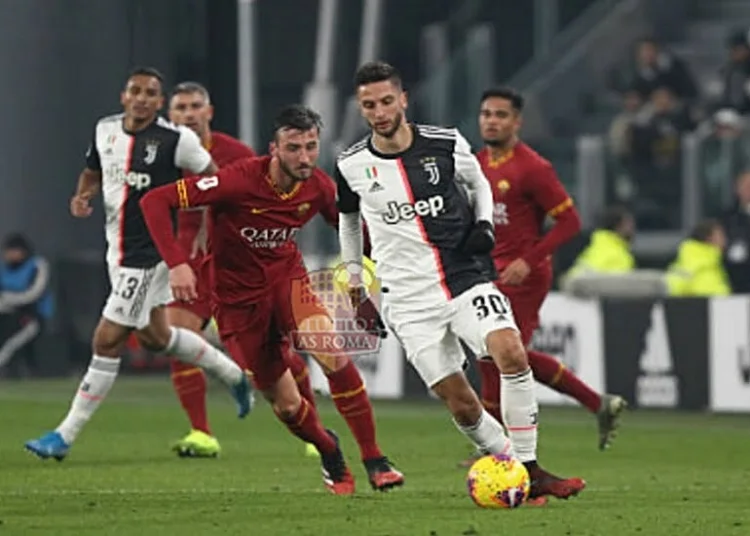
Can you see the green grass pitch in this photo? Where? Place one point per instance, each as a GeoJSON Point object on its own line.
{"type": "Point", "coordinates": [668, 474]}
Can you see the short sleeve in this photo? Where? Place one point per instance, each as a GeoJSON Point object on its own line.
{"type": "Point", "coordinates": [346, 200]}
{"type": "Point", "coordinates": [93, 162]}
{"type": "Point", "coordinates": [190, 154]}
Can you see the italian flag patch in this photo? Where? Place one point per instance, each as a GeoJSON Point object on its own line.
{"type": "Point", "coordinates": [372, 172]}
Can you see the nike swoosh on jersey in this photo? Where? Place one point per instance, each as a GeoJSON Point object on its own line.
{"type": "Point", "coordinates": [258, 210]}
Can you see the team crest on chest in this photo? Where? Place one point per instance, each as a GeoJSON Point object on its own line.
{"type": "Point", "coordinates": [303, 208]}
{"type": "Point", "coordinates": [152, 148]}
{"type": "Point", "coordinates": [430, 166]}
{"type": "Point", "coordinates": [503, 185]}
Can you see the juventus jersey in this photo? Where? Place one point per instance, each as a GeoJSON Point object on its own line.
{"type": "Point", "coordinates": [417, 212]}
{"type": "Point", "coordinates": [131, 164]}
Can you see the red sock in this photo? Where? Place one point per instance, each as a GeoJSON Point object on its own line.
{"type": "Point", "coordinates": [554, 374]}
{"type": "Point", "coordinates": [349, 395]}
{"type": "Point", "coordinates": [190, 385]}
{"type": "Point", "coordinates": [298, 367]}
{"type": "Point", "coordinates": [306, 425]}
{"type": "Point", "coordinates": [490, 391]}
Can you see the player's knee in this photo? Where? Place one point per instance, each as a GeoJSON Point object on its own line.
{"type": "Point", "coordinates": [286, 407]}
{"type": "Point", "coordinates": [506, 348]}
{"type": "Point", "coordinates": [154, 340]}
{"type": "Point", "coordinates": [109, 339]}
{"type": "Point", "coordinates": [182, 318]}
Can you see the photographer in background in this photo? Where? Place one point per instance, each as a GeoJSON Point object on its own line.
{"type": "Point", "coordinates": [25, 304]}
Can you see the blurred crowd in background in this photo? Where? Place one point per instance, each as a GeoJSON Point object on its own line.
{"type": "Point", "coordinates": [684, 84]}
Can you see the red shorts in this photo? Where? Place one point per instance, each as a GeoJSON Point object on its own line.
{"type": "Point", "coordinates": [527, 299]}
{"type": "Point", "coordinates": [257, 334]}
{"type": "Point", "coordinates": [201, 306]}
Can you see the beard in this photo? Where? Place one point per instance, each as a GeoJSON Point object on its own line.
{"type": "Point", "coordinates": [396, 125]}
{"type": "Point", "coordinates": [291, 174]}
{"type": "Point", "coordinates": [496, 143]}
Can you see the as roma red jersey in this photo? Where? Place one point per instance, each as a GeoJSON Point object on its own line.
{"type": "Point", "coordinates": [224, 149]}
{"type": "Point", "coordinates": [525, 190]}
{"type": "Point", "coordinates": [253, 225]}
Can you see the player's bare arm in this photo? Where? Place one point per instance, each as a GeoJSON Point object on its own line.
{"type": "Point", "coordinates": [89, 185]}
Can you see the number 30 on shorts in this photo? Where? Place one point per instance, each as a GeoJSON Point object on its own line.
{"type": "Point", "coordinates": [490, 304]}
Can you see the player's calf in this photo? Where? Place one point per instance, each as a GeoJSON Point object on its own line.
{"type": "Point", "coordinates": [303, 421]}
{"type": "Point", "coordinates": [190, 348]}
{"type": "Point", "coordinates": [109, 339]}
{"type": "Point", "coordinates": [469, 416]}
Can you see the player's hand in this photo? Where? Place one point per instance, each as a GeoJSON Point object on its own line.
{"type": "Point", "coordinates": [182, 280]}
{"type": "Point", "coordinates": [79, 205]}
{"type": "Point", "coordinates": [481, 239]}
{"type": "Point", "coordinates": [366, 311]}
{"type": "Point", "coordinates": [515, 272]}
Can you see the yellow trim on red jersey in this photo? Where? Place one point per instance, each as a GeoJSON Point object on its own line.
{"type": "Point", "coordinates": [497, 162]}
{"type": "Point", "coordinates": [182, 195]}
{"type": "Point", "coordinates": [562, 207]}
{"type": "Point", "coordinates": [284, 195]}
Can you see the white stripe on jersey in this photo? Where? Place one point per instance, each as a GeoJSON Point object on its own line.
{"type": "Point", "coordinates": [115, 152]}
{"type": "Point", "coordinates": [406, 264]}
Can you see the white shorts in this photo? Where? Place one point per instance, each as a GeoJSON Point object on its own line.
{"type": "Point", "coordinates": [432, 338]}
{"type": "Point", "coordinates": [135, 292]}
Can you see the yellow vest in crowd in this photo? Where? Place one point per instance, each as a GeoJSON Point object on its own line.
{"type": "Point", "coordinates": [607, 252]}
{"type": "Point", "coordinates": [698, 271]}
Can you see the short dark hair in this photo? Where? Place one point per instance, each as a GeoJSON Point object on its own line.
{"type": "Point", "coordinates": [612, 217]}
{"type": "Point", "coordinates": [190, 88]}
{"type": "Point", "coordinates": [704, 229]}
{"type": "Point", "coordinates": [17, 241]}
{"type": "Point", "coordinates": [297, 117]}
{"type": "Point", "coordinates": [507, 93]}
{"type": "Point", "coordinates": [377, 71]}
{"type": "Point", "coordinates": [147, 71]}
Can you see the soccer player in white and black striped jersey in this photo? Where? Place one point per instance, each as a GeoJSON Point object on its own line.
{"type": "Point", "coordinates": [131, 153]}
{"type": "Point", "coordinates": [431, 246]}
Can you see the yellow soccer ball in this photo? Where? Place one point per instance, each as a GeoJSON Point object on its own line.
{"type": "Point", "coordinates": [498, 481]}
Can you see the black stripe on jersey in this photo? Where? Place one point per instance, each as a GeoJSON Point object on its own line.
{"type": "Point", "coordinates": [428, 170]}
{"type": "Point", "coordinates": [353, 149]}
{"type": "Point", "coordinates": [151, 163]}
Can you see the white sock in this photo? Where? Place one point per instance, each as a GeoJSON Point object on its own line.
{"type": "Point", "coordinates": [189, 347]}
{"type": "Point", "coordinates": [487, 435]}
{"type": "Point", "coordinates": [520, 412]}
{"type": "Point", "coordinates": [94, 387]}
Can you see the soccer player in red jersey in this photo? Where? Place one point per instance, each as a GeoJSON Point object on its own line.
{"type": "Point", "coordinates": [258, 206]}
{"type": "Point", "coordinates": [190, 105]}
{"type": "Point", "coordinates": [526, 190]}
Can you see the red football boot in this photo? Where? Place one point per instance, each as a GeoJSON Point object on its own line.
{"type": "Point", "coordinates": [383, 476]}
{"type": "Point", "coordinates": [544, 483]}
{"type": "Point", "coordinates": [336, 475]}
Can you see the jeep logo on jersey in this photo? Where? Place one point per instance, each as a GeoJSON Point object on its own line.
{"type": "Point", "coordinates": [432, 206]}
{"type": "Point", "coordinates": [138, 181]}
{"type": "Point", "coordinates": [272, 237]}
